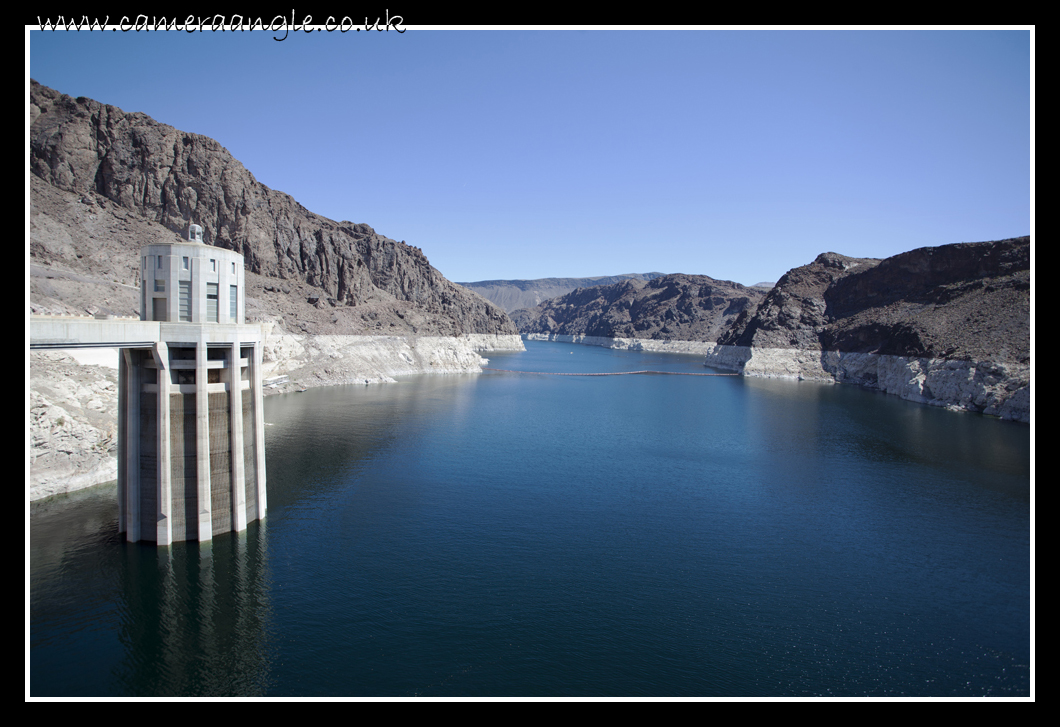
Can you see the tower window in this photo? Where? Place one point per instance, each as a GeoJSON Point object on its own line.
{"type": "Point", "coordinates": [184, 311]}
{"type": "Point", "coordinates": [211, 302]}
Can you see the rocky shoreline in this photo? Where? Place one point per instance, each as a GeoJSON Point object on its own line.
{"type": "Point", "coordinates": [995, 389]}
{"type": "Point", "coordinates": [73, 428]}
{"type": "Point", "coordinates": [72, 424]}
{"type": "Point", "coordinates": [332, 360]}
{"type": "Point", "coordinates": [1001, 389]}
{"type": "Point", "coordinates": [700, 348]}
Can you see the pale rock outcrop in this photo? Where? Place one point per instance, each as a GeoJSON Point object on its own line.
{"type": "Point", "coordinates": [999, 389]}
{"type": "Point", "coordinates": [73, 426]}
{"type": "Point", "coordinates": [995, 388]}
{"type": "Point", "coordinates": [324, 360]}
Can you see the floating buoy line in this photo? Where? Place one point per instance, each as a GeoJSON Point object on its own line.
{"type": "Point", "coordinates": [611, 373]}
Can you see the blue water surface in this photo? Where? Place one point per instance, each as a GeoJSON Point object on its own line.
{"type": "Point", "coordinates": [529, 535]}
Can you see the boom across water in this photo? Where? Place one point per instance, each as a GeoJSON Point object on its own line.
{"type": "Point", "coordinates": [610, 373]}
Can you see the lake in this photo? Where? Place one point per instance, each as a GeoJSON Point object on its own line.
{"type": "Point", "coordinates": [510, 534]}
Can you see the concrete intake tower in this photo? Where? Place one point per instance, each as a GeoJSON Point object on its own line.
{"type": "Point", "coordinates": [191, 446]}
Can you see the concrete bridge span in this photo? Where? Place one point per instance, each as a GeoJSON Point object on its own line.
{"type": "Point", "coordinates": [47, 332]}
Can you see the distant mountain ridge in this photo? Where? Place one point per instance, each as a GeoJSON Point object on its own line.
{"type": "Point", "coordinates": [946, 325]}
{"type": "Point", "coordinates": [671, 307]}
{"type": "Point", "coordinates": [511, 295]}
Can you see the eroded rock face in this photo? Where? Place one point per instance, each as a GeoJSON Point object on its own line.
{"type": "Point", "coordinates": [673, 307]}
{"type": "Point", "coordinates": [110, 158]}
{"type": "Point", "coordinates": [794, 312]}
{"type": "Point", "coordinates": [72, 424]}
{"type": "Point", "coordinates": [947, 326]}
{"type": "Point", "coordinates": [968, 301]}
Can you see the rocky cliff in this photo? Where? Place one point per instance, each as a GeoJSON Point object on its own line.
{"type": "Point", "coordinates": [73, 424]}
{"type": "Point", "coordinates": [962, 301]}
{"type": "Point", "coordinates": [792, 314]}
{"type": "Point", "coordinates": [947, 325]}
{"type": "Point", "coordinates": [672, 307]}
{"type": "Point", "coordinates": [131, 172]}
{"type": "Point", "coordinates": [339, 303]}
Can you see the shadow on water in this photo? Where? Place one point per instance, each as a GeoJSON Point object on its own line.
{"type": "Point", "coordinates": [839, 420]}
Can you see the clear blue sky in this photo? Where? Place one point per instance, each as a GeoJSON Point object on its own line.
{"type": "Point", "coordinates": [525, 154]}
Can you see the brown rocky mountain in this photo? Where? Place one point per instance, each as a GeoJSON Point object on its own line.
{"type": "Point", "coordinates": [947, 326]}
{"type": "Point", "coordinates": [123, 179]}
{"type": "Point", "coordinates": [672, 307]}
{"type": "Point", "coordinates": [967, 301]}
{"type": "Point", "coordinates": [793, 312]}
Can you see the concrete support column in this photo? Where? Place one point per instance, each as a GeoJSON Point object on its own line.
{"type": "Point", "coordinates": [164, 522]}
{"type": "Point", "coordinates": [258, 406]}
{"type": "Point", "coordinates": [130, 385]}
{"type": "Point", "coordinates": [202, 442]}
{"type": "Point", "coordinates": [235, 411]}
{"type": "Point", "coordinates": [123, 447]}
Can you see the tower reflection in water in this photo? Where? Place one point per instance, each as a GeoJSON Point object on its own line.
{"type": "Point", "coordinates": [197, 617]}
